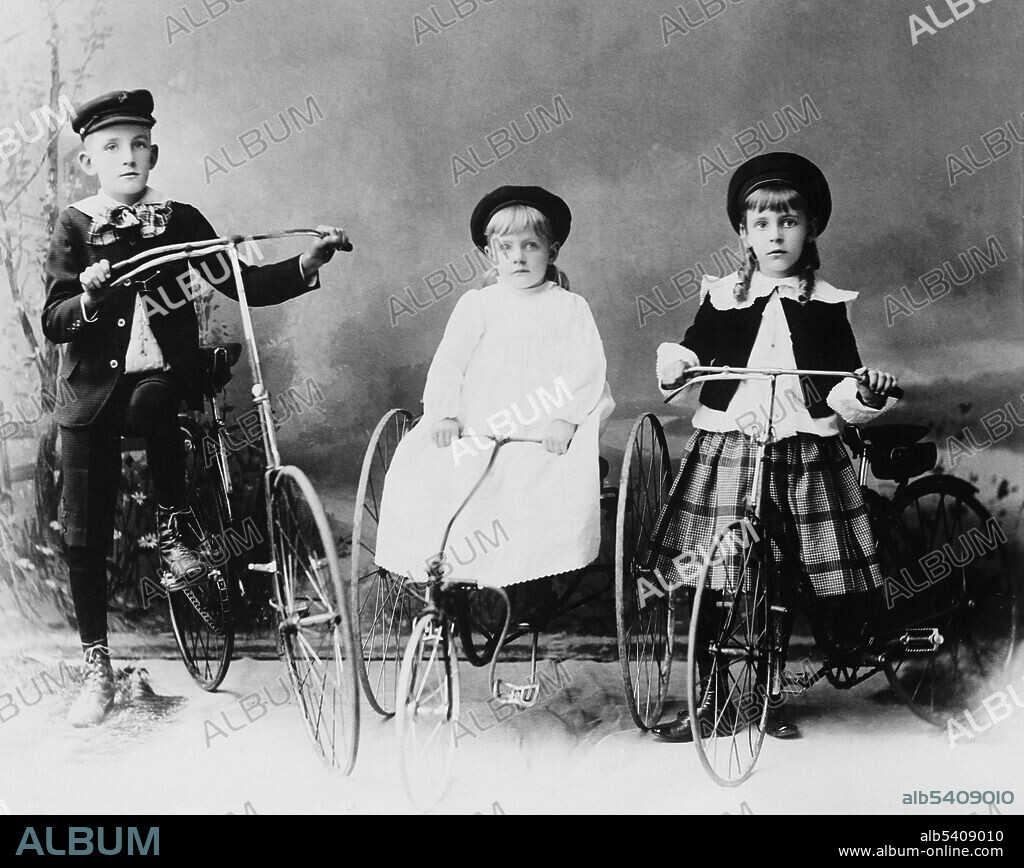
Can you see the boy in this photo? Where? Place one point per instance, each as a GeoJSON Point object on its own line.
{"type": "Point", "coordinates": [132, 355]}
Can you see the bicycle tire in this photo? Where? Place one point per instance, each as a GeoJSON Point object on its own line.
{"type": "Point", "coordinates": [313, 616]}
{"type": "Point", "coordinates": [644, 628]}
{"type": "Point", "coordinates": [973, 607]}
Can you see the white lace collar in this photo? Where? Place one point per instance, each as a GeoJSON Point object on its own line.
{"type": "Point", "coordinates": [99, 206]}
{"type": "Point", "coordinates": [722, 297]}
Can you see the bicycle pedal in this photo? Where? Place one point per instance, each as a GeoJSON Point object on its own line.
{"type": "Point", "coordinates": [921, 640]}
{"type": "Point", "coordinates": [519, 696]}
{"type": "Point", "coordinates": [213, 619]}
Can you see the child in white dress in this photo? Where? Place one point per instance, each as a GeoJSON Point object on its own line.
{"type": "Point", "coordinates": [519, 359]}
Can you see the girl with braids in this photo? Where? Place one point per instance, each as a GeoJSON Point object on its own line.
{"type": "Point", "coordinates": [775, 312]}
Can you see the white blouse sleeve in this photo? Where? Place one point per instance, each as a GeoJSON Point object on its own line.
{"type": "Point", "coordinates": [443, 391]}
{"type": "Point", "coordinates": [585, 366]}
{"type": "Point", "coordinates": [843, 399]}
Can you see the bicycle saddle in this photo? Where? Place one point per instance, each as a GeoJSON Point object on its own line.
{"type": "Point", "coordinates": [218, 360]}
{"type": "Point", "coordinates": [885, 436]}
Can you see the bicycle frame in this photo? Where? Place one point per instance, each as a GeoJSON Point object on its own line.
{"type": "Point", "coordinates": [150, 259]}
{"type": "Point", "coordinates": [228, 244]}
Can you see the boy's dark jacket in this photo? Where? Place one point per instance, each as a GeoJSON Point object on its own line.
{"type": "Point", "coordinates": [96, 351]}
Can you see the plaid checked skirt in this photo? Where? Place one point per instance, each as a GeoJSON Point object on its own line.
{"type": "Point", "coordinates": [814, 504]}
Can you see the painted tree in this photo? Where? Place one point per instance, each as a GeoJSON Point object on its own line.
{"type": "Point", "coordinates": [45, 62]}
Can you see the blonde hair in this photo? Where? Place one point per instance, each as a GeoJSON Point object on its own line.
{"type": "Point", "coordinates": [779, 199]}
{"type": "Point", "coordinates": [523, 218]}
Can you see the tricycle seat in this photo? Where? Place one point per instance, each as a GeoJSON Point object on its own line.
{"type": "Point", "coordinates": [892, 436]}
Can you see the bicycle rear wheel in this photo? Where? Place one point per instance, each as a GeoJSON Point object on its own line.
{"type": "Point", "coordinates": [427, 710]}
{"type": "Point", "coordinates": [384, 604]}
{"type": "Point", "coordinates": [313, 615]}
{"type": "Point", "coordinates": [644, 624]}
{"type": "Point", "coordinates": [202, 616]}
{"type": "Point", "coordinates": [951, 599]}
{"type": "Point", "coordinates": [731, 653]}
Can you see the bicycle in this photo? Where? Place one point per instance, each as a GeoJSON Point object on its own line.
{"type": "Point", "coordinates": [953, 634]}
{"type": "Point", "coordinates": [385, 605]}
{"type": "Point", "coordinates": [310, 603]}
{"type": "Point", "coordinates": [408, 627]}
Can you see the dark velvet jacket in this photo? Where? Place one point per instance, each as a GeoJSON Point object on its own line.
{"type": "Point", "coordinates": [822, 340]}
{"type": "Point", "coordinates": [96, 351]}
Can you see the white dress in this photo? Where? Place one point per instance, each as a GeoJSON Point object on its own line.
{"type": "Point", "coordinates": [510, 361]}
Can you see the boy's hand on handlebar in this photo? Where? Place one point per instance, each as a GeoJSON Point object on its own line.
{"type": "Point", "coordinates": [444, 432]}
{"type": "Point", "coordinates": [94, 282]}
{"type": "Point", "coordinates": [558, 435]}
{"type": "Point", "coordinates": [322, 250]}
{"type": "Point", "coordinates": [875, 386]}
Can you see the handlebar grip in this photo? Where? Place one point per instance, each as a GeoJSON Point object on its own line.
{"type": "Point", "coordinates": [896, 392]}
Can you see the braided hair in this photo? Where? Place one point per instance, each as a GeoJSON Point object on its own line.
{"type": "Point", "coordinates": [780, 199]}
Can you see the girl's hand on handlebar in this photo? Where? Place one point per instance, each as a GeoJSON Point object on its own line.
{"type": "Point", "coordinates": [94, 282]}
{"type": "Point", "coordinates": [322, 250]}
{"type": "Point", "coordinates": [558, 435]}
{"type": "Point", "coordinates": [673, 374]}
{"type": "Point", "coordinates": [444, 431]}
{"type": "Point", "coordinates": [875, 386]}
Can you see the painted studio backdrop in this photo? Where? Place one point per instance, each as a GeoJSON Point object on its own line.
{"type": "Point", "coordinates": [391, 119]}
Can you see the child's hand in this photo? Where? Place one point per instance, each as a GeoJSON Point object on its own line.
{"type": "Point", "coordinates": [557, 436]}
{"type": "Point", "coordinates": [94, 280]}
{"type": "Point", "coordinates": [322, 250]}
{"type": "Point", "coordinates": [444, 431]}
{"type": "Point", "coordinates": [673, 373]}
{"type": "Point", "coordinates": [875, 386]}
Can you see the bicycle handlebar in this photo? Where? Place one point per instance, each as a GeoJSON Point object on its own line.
{"type": "Point", "coordinates": [174, 252]}
{"type": "Point", "coordinates": [710, 373]}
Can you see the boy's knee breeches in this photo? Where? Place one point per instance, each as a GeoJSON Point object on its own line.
{"type": "Point", "coordinates": [141, 405]}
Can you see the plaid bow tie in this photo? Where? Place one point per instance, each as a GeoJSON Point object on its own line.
{"type": "Point", "coordinates": [151, 217]}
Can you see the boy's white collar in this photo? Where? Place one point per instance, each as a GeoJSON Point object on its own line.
{"type": "Point", "coordinates": [723, 298]}
{"type": "Point", "coordinates": [100, 205]}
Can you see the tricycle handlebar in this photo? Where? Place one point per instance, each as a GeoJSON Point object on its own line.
{"type": "Point", "coordinates": [710, 373]}
{"type": "Point", "coordinates": [173, 252]}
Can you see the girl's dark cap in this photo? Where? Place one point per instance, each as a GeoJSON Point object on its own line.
{"type": "Point", "coordinates": [780, 167]}
{"type": "Point", "coordinates": [116, 107]}
{"type": "Point", "coordinates": [550, 205]}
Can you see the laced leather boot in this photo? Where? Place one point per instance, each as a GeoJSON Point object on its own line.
{"type": "Point", "coordinates": [97, 695]}
{"type": "Point", "coordinates": [183, 565]}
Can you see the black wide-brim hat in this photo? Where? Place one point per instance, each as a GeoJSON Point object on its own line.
{"type": "Point", "coordinates": [781, 167]}
{"type": "Point", "coordinates": [550, 205]}
{"type": "Point", "coordinates": [116, 107]}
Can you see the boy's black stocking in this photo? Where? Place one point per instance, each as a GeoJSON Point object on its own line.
{"type": "Point", "coordinates": [88, 574]}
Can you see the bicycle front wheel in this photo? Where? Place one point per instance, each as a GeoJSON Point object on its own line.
{"type": "Point", "coordinates": [313, 617]}
{"type": "Point", "coordinates": [731, 652]}
{"type": "Point", "coordinates": [427, 710]}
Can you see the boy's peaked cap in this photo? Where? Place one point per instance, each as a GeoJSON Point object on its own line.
{"type": "Point", "coordinates": [116, 107]}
